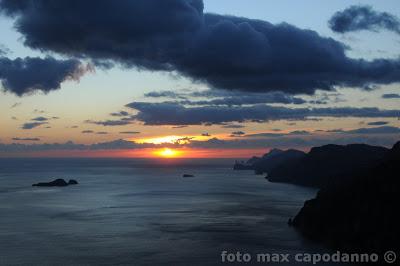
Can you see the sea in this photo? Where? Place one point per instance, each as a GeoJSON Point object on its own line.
{"type": "Point", "coordinates": [144, 212]}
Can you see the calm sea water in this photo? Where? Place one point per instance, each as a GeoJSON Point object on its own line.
{"type": "Point", "coordinates": [138, 212]}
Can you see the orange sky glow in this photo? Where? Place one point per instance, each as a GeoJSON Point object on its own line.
{"type": "Point", "coordinates": [146, 153]}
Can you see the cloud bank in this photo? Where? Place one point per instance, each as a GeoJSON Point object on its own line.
{"type": "Point", "coordinates": [229, 98]}
{"type": "Point", "coordinates": [176, 114]}
{"type": "Point", "coordinates": [221, 51]}
{"type": "Point", "coordinates": [27, 75]}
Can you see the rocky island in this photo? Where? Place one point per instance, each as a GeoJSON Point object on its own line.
{"type": "Point", "coordinates": [56, 183]}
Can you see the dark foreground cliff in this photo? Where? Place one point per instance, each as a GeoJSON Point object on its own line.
{"type": "Point", "coordinates": [360, 213]}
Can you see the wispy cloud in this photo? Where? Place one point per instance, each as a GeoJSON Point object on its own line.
{"type": "Point", "coordinates": [110, 123]}
{"type": "Point", "coordinates": [129, 132]}
{"type": "Point", "coordinates": [391, 96]}
{"type": "Point", "coordinates": [26, 139]}
{"type": "Point", "coordinates": [32, 125]}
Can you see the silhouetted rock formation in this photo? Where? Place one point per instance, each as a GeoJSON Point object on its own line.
{"type": "Point", "coordinates": [72, 182]}
{"type": "Point", "coordinates": [268, 161]}
{"type": "Point", "coordinates": [248, 165]}
{"type": "Point", "coordinates": [360, 213]}
{"type": "Point", "coordinates": [56, 183]}
{"type": "Point", "coordinates": [243, 166]}
{"type": "Point", "coordinates": [276, 158]}
{"type": "Point", "coordinates": [187, 175]}
{"type": "Point", "coordinates": [326, 164]}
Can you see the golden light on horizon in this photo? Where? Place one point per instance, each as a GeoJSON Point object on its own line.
{"type": "Point", "coordinates": [167, 153]}
{"type": "Point", "coordinates": [175, 139]}
{"type": "Point", "coordinates": [160, 140]}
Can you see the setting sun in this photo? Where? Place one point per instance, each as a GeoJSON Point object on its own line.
{"type": "Point", "coordinates": [167, 153]}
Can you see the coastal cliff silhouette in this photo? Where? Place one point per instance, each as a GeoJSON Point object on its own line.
{"type": "Point", "coordinates": [356, 206]}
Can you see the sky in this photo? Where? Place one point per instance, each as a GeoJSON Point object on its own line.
{"type": "Point", "coordinates": [220, 78]}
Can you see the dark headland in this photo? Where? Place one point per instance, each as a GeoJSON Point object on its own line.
{"type": "Point", "coordinates": [356, 208]}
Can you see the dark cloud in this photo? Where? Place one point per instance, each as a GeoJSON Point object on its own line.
{"type": "Point", "coordinates": [233, 126]}
{"type": "Point", "coordinates": [120, 114]}
{"type": "Point", "coordinates": [177, 127]}
{"type": "Point", "coordinates": [356, 18]}
{"type": "Point", "coordinates": [175, 114]}
{"type": "Point", "coordinates": [288, 142]}
{"type": "Point", "coordinates": [206, 134]}
{"type": "Point", "coordinates": [37, 121]}
{"type": "Point", "coordinates": [300, 132]}
{"type": "Point", "coordinates": [368, 131]}
{"type": "Point", "coordinates": [391, 96]}
{"type": "Point", "coordinates": [111, 145]}
{"type": "Point", "coordinates": [118, 144]}
{"type": "Point", "coordinates": [378, 123]}
{"type": "Point", "coordinates": [101, 133]}
{"type": "Point", "coordinates": [274, 135]}
{"type": "Point", "coordinates": [27, 75]}
{"type": "Point", "coordinates": [335, 130]}
{"type": "Point", "coordinates": [26, 139]}
{"type": "Point", "coordinates": [375, 130]}
{"type": "Point", "coordinates": [184, 140]}
{"type": "Point", "coordinates": [229, 98]}
{"type": "Point", "coordinates": [242, 99]}
{"type": "Point", "coordinates": [129, 132]}
{"type": "Point", "coordinates": [164, 94]}
{"type": "Point", "coordinates": [40, 119]}
{"type": "Point", "coordinates": [111, 123]}
{"type": "Point", "coordinates": [238, 134]}
{"type": "Point", "coordinates": [87, 132]}
{"type": "Point", "coordinates": [32, 125]}
{"type": "Point", "coordinates": [221, 51]}
{"type": "Point", "coordinates": [265, 135]}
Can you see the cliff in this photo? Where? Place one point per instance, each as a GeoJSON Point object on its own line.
{"type": "Point", "coordinates": [327, 164]}
{"type": "Point", "coordinates": [360, 213]}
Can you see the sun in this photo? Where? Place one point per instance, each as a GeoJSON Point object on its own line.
{"type": "Point", "coordinates": [167, 153]}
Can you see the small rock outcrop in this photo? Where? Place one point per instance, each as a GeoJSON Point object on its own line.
{"type": "Point", "coordinates": [187, 175]}
{"type": "Point", "coordinates": [56, 183]}
{"type": "Point", "coordinates": [72, 182]}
